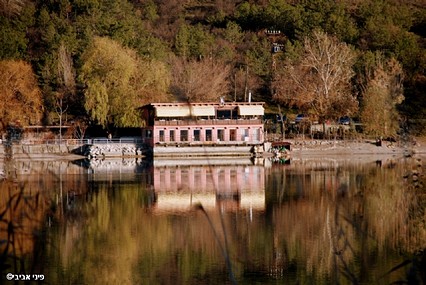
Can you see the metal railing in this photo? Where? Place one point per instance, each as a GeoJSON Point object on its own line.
{"type": "Point", "coordinates": [75, 141]}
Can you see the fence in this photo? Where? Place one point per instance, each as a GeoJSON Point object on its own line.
{"type": "Point", "coordinates": [75, 141]}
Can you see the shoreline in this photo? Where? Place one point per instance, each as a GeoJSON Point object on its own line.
{"type": "Point", "coordinates": [320, 147]}
{"type": "Point", "coordinates": [299, 148]}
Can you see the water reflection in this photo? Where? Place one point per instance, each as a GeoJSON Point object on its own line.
{"type": "Point", "coordinates": [181, 186]}
{"type": "Point", "coordinates": [309, 221]}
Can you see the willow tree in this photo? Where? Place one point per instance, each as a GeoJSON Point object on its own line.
{"type": "Point", "coordinates": [20, 97]}
{"type": "Point", "coordinates": [382, 92]}
{"type": "Point", "coordinates": [117, 81]}
{"type": "Point", "coordinates": [318, 79]}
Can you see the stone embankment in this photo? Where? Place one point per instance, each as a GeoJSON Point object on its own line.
{"type": "Point", "coordinates": [92, 150]}
{"type": "Point", "coordinates": [299, 147]}
{"type": "Point", "coordinates": [38, 150]}
{"type": "Point", "coordinates": [111, 150]}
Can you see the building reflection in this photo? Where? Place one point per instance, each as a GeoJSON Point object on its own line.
{"type": "Point", "coordinates": [182, 184]}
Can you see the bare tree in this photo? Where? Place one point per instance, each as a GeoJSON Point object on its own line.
{"type": "Point", "coordinates": [200, 81]}
{"type": "Point", "coordinates": [79, 128]}
{"type": "Point", "coordinates": [66, 73]}
{"type": "Point", "coordinates": [66, 80]}
{"type": "Point", "coordinates": [319, 80]}
{"type": "Point", "coordinates": [242, 82]}
{"type": "Point", "coordinates": [11, 7]}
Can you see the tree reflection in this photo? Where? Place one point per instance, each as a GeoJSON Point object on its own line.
{"type": "Point", "coordinates": [344, 219]}
{"type": "Point", "coordinates": [325, 222]}
{"type": "Point", "coordinates": [21, 217]}
{"type": "Point", "coordinates": [29, 201]}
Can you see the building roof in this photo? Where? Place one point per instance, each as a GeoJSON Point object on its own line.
{"type": "Point", "coordinates": [256, 110]}
{"type": "Point", "coordinates": [206, 109]}
{"type": "Point", "coordinates": [184, 111]}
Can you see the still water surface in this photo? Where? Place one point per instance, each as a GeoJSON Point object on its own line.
{"type": "Point", "coordinates": [215, 221]}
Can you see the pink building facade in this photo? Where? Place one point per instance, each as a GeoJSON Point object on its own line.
{"type": "Point", "coordinates": [203, 124]}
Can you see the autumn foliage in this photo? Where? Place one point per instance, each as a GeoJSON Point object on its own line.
{"type": "Point", "coordinates": [201, 50]}
{"type": "Point", "coordinates": [20, 97]}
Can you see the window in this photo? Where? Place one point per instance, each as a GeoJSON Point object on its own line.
{"type": "Point", "coordinates": [197, 135]}
{"type": "Point", "coordinates": [220, 135]}
{"type": "Point", "coordinates": [244, 134]}
{"type": "Point", "coordinates": [257, 134]}
{"type": "Point", "coordinates": [183, 135]}
{"type": "Point", "coordinates": [224, 114]}
{"type": "Point", "coordinates": [161, 135]}
{"type": "Point", "coordinates": [209, 135]}
{"type": "Point", "coordinates": [172, 135]}
{"type": "Point", "coordinates": [232, 134]}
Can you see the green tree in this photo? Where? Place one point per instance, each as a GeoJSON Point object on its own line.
{"type": "Point", "coordinates": [20, 96]}
{"type": "Point", "coordinates": [330, 16]}
{"type": "Point", "coordinates": [248, 16]}
{"type": "Point", "coordinates": [383, 91]}
{"type": "Point", "coordinates": [194, 42]}
{"type": "Point", "coordinates": [117, 82]}
{"type": "Point", "coordinates": [119, 21]}
{"type": "Point", "coordinates": [16, 18]}
{"type": "Point", "coordinates": [182, 41]}
{"type": "Point", "coordinates": [258, 56]}
{"type": "Point", "coordinates": [233, 33]}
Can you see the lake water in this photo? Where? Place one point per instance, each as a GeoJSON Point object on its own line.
{"type": "Point", "coordinates": [353, 220]}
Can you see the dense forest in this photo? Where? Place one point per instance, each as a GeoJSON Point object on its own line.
{"type": "Point", "coordinates": [81, 62]}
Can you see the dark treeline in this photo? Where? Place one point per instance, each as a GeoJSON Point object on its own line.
{"type": "Point", "coordinates": [80, 62]}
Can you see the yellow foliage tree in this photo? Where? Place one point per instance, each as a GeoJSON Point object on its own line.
{"type": "Point", "coordinates": [20, 96]}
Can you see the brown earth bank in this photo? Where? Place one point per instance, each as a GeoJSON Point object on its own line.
{"type": "Point", "coordinates": [361, 147]}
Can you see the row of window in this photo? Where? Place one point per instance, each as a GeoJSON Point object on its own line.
{"type": "Point", "coordinates": [208, 135]}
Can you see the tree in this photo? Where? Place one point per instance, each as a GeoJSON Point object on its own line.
{"type": "Point", "coordinates": [200, 81]}
{"type": "Point", "coordinates": [16, 19]}
{"type": "Point", "coordinates": [318, 80]}
{"type": "Point", "coordinates": [194, 42]}
{"type": "Point", "coordinates": [20, 97]}
{"type": "Point", "coordinates": [117, 82]}
{"type": "Point", "coordinates": [11, 7]}
{"type": "Point", "coordinates": [383, 91]}
{"type": "Point", "coordinates": [66, 81]}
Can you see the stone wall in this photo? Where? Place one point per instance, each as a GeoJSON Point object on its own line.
{"type": "Point", "coordinates": [39, 149]}
{"type": "Point", "coordinates": [111, 150]}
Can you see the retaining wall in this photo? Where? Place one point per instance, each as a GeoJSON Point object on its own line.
{"type": "Point", "coordinates": [35, 149]}
{"type": "Point", "coordinates": [203, 151]}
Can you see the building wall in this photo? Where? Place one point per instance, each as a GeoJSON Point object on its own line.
{"type": "Point", "coordinates": [209, 133]}
{"type": "Point", "coordinates": [226, 123]}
